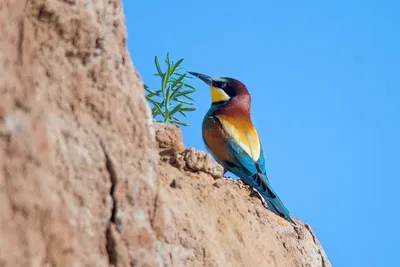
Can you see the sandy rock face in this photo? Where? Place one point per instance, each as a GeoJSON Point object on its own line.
{"type": "Point", "coordinates": [77, 155]}
{"type": "Point", "coordinates": [214, 221]}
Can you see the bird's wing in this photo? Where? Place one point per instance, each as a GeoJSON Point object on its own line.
{"type": "Point", "coordinates": [243, 165]}
{"type": "Point", "coordinates": [239, 158]}
{"type": "Point", "coordinates": [261, 161]}
{"type": "Point", "coordinates": [253, 174]}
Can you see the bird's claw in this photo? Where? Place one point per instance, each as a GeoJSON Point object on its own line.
{"type": "Point", "coordinates": [263, 200]}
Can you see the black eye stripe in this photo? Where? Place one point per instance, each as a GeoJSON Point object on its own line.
{"type": "Point", "coordinates": [221, 85]}
{"type": "Point", "coordinates": [226, 87]}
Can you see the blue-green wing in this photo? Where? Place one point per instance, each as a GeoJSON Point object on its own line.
{"type": "Point", "coordinates": [242, 164]}
{"type": "Point", "coordinates": [253, 173]}
{"type": "Point", "coordinates": [261, 161]}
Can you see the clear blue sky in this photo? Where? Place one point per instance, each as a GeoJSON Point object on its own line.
{"type": "Point", "coordinates": [325, 83]}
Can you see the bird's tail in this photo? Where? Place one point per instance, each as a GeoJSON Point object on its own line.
{"type": "Point", "coordinates": [269, 196]}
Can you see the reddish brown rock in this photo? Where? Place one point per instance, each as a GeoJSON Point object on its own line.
{"type": "Point", "coordinates": [168, 136]}
{"type": "Point", "coordinates": [172, 150]}
{"type": "Point", "coordinates": [77, 155]}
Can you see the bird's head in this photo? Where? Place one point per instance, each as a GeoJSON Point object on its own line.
{"type": "Point", "coordinates": [223, 89]}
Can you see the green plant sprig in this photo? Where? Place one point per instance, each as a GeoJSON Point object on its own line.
{"type": "Point", "coordinates": [173, 97]}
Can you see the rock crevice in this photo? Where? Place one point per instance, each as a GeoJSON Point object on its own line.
{"type": "Point", "coordinates": [110, 167]}
{"type": "Point", "coordinates": [113, 222]}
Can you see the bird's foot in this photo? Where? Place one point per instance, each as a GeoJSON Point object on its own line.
{"type": "Point", "coordinates": [257, 194]}
{"type": "Point", "coordinates": [263, 201]}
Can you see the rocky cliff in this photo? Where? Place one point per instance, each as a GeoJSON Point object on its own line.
{"type": "Point", "coordinates": [86, 178]}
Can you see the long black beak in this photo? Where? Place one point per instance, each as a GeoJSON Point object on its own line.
{"type": "Point", "coordinates": [207, 79]}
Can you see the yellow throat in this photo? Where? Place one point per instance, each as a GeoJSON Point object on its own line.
{"type": "Point", "coordinates": [218, 95]}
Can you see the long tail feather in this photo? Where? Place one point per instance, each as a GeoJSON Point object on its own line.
{"type": "Point", "coordinates": [272, 200]}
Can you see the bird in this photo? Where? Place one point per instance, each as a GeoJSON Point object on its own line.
{"type": "Point", "coordinates": [231, 138]}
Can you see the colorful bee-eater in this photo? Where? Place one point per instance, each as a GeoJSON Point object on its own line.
{"type": "Point", "coordinates": [231, 138]}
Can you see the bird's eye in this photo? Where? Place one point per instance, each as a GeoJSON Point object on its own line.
{"type": "Point", "coordinates": [223, 85]}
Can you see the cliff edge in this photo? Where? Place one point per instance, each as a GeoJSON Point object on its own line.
{"type": "Point", "coordinates": [215, 221]}
{"type": "Point", "coordinates": [86, 177]}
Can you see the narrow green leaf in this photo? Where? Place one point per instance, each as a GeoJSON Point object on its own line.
{"type": "Point", "coordinates": [176, 121]}
{"type": "Point", "coordinates": [148, 89]}
{"type": "Point", "coordinates": [185, 92]}
{"type": "Point", "coordinates": [150, 95]}
{"type": "Point", "coordinates": [166, 76]}
{"type": "Point", "coordinates": [161, 103]}
{"type": "Point", "coordinates": [181, 112]}
{"type": "Point", "coordinates": [179, 74]}
{"type": "Point", "coordinates": [155, 93]}
{"type": "Point", "coordinates": [168, 62]}
{"type": "Point", "coordinates": [175, 109]}
{"type": "Point", "coordinates": [189, 86]}
{"type": "Point", "coordinates": [157, 107]}
{"type": "Point", "coordinates": [163, 83]}
{"type": "Point", "coordinates": [183, 101]}
{"type": "Point", "coordinates": [176, 65]}
{"type": "Point", "coordinates": [167, 59]}
{"type": "Point", "coordinates": [166, 115]}
{"type": "Point", "coordinates": [158, 66]}
{"type": "Point", "coordinates": [152, 101]}
{"type": "Point", "coordinates": [179, 80]}
{"type": "Point", "coordinates": [155, 112]}
{"type": "Point", "coordinates": [188, 97]}
{"type": "Point", "coordinates": [168, 95]}
{"type": "Point", "coordinates": [176, 92]}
